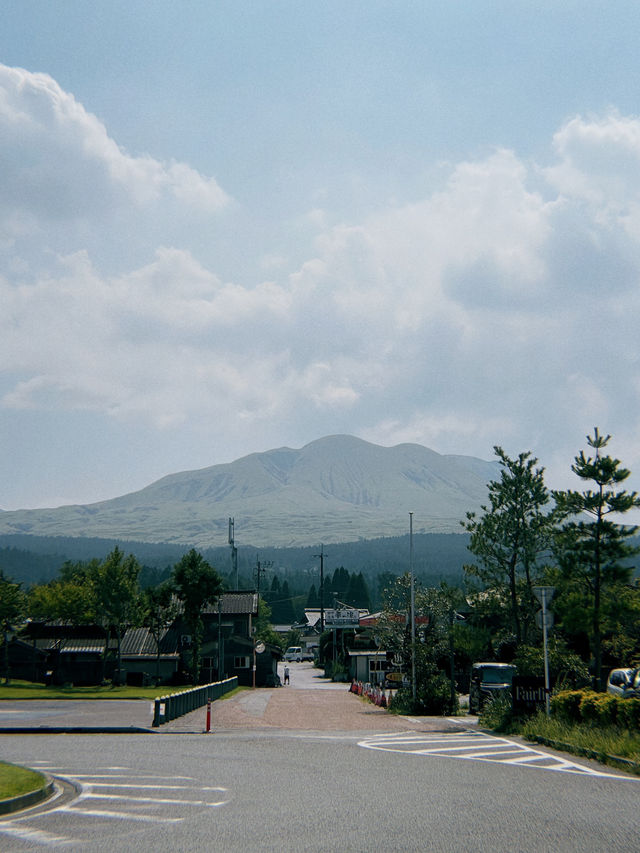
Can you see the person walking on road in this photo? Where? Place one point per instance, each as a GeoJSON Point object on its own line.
{"type": "Point", "coordinates": [286, 675]}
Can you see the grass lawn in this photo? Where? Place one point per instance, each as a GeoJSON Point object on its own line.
{"type": "Point", "coordinates": [18, 780]}
{"type": "Point", "coordinates": [28, 690]}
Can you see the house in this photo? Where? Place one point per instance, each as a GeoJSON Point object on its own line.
{"type": "Point", "coordinates": [369, 665]}
{"type": "Point", "coordinates": [228, 646]}
{"type": "Point", "coordinates": [79, 654]}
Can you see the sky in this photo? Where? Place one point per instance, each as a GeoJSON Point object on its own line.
{"type": "Point", "coordinates": [227, 227]}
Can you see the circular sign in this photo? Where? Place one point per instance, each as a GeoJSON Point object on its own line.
{"type": "Point", "coordinates": [260, 647]}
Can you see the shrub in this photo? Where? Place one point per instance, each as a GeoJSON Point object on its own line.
{"type": "Point", "coordinates": [589, 707]}
{"type": "Point", "coordinates": [433, 697]}
{"type": "Point", "coordinates": [497, 713]}
{"type": "Point", "coordinates": [629, 713]}
{"type": "Point", "coordinates": [566, 705]}
{"type": "Point", "coordinates": [606, 708]}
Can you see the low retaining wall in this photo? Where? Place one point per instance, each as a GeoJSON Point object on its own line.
{"type": "Point", "coordinates": [174, 705]}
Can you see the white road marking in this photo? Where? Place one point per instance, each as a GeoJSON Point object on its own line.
{"type": "Point", "coordinates": [478, 746]}
{"type": "Point", "coordinates": [119, 815]}
{"type": "Point", "coordinates": [99, 793]}
{"type": "Point", "coordinates": [35, 836]}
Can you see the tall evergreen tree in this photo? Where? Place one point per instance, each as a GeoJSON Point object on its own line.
{"type": "Point", "coordinates": [510, 537]}
{"type": "Point", "coordinates": [313, 599]}
{"type": "Point", "coordinates": [590, 547]}
{"type": "Point", "coordinates": [358, 592]}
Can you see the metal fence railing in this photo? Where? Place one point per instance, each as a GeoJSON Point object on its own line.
{"type": "Point", "coordinates": [174, 705]}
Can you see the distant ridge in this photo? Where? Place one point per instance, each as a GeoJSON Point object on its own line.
{"type": "Point", "coordinates": [335, 489]}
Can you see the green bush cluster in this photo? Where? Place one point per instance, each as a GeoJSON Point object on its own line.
{"type": "Point", "coordinates": [597, 709]}
{"type": "Point", "coordinates": [497, 714]}
{"type": "Point", "coordinates": [433, 698]}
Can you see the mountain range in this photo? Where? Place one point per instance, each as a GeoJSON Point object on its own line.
{"type": "Point", "coordinates": [335, 489]}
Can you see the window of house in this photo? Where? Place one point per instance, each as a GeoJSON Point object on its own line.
{"type": "Point", "coordinates": [241, 662]}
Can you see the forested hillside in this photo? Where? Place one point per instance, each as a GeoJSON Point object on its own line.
{"type": "Point", "coordinates": [32, 559]}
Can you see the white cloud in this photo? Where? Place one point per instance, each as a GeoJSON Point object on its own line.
{"type": "Point", "coordinates": [500, 308]}
{"type": "Point", "coordinates": [60, 165]}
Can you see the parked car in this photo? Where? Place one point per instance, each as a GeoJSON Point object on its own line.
{"type": "Point", "coordinates": [624, 682]}
{"type": "Point", "coordinates": [293, 653]}
{"type": "Point", "coordinates": [488, 680]}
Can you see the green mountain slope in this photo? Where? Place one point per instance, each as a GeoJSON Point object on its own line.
{"type": "Point", "coordinates": [336, 489]}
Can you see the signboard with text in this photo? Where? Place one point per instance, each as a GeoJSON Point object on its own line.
{"type": "Point", "coordinates": [342, 618]}
{"type": "Point", "coordinates": [528, 694]}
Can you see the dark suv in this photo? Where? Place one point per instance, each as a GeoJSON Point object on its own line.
{"type": "Point", "coordinates": [488, 680]}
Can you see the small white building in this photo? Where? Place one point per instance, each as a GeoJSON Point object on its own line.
{"type": "Point", "coordinates": [368, 665]}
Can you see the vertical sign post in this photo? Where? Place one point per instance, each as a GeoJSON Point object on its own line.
{"type": "Point", "coordinates": [544, 594]}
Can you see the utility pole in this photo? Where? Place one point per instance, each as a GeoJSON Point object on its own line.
{"type": "Point", "coordinates": [234, 550]}
{"type": "Point", "coordinates": [413, 611]}
{"type": "Point", "coordinates": [261, 568]}
{"type": "Point", "coordinates": [321, 556]}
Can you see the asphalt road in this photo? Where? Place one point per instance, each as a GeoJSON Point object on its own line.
{"type": "Point", "coordinates": [360, 780]}
{"type": "Point", "coordinates": [300, 791]}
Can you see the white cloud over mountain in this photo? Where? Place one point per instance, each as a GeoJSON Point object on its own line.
{"type": "Point", "coordinates": [499, 308]}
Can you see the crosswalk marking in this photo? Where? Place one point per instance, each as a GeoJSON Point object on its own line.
{"type": "Point", "coordinates": [478, 746]}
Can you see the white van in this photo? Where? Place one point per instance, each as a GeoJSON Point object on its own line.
{"type": "Point", "coordinates": [293, 653]}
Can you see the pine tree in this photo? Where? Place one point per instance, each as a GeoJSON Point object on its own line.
{"type": "Point", "coordinates": [510, 537]}
{"type": "Point", "coordinates": [313, 599]}
{"type": "Point", "coordinates": [595, 552]}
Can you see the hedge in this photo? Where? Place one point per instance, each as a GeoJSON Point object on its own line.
{"type": "Point", "coordinates": [599, 709]}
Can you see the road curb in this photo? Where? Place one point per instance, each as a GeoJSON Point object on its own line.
{"type": "Point", "coordinates": [76, 730]}
{"type": "Point", "coordinates": [25, 801]}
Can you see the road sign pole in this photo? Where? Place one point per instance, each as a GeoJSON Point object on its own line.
{"type": "Point", "coordinates": [543, 594]}
{"type": "Point", "coordinates": [546, 655]}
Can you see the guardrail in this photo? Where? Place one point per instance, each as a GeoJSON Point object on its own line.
{"type": "Point", "coordinates": [174, 705]}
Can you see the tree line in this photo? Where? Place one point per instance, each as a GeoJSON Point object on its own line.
{"type": "Point", "coordinates": [107, 593]}
{"type": "Point", "coordinates": [527, 536]}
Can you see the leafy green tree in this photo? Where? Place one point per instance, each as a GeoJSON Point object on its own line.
{"type": "Point", "coordinates": [433, 688]}
{"type": "Point", "coordinates": [511, 536]}
{"type": "Point", "coordinates": [196, 584]}
{"type": "Point", "coordinates": [12, 610]}
{"type": "Point", "coordinates": [117, 595]}
{"type": "Point", "coordinates": [160, 608]}
{"type": "Point", "coordinates": [264, 628]}
{"type": "Point", "coordinates": [566, 669]}
{"type": "Point", "coordinates": [591, 548]}
{"type": "Point", "coordinates": [68, 601]}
